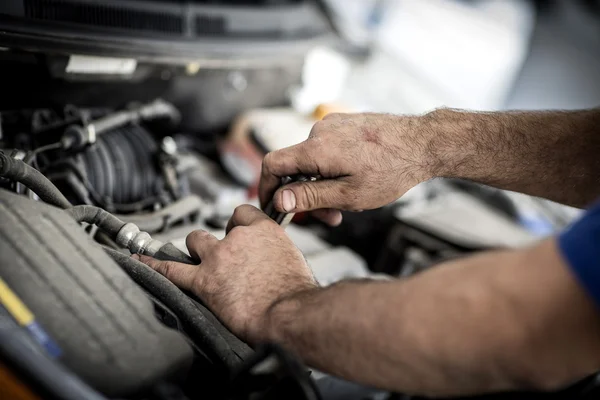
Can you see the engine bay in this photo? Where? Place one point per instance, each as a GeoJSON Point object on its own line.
{"type": "Point", "coordinates": [87, 303]}
{"type": "Point", "coordinates": [121, 133]}
{"type": "Point", "coordinates": [126, 181]}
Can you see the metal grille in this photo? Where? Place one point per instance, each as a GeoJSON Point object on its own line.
{"type": "Point", "coordinates": [209, 25]}
{"type": "Point", "coordinates": [104, 16]}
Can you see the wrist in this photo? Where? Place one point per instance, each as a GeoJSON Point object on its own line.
{"type": "Point", "coordinates": [444, 135]}
{"type": "Point", "coordinates": [281, 315]}
{"type": "Point", "coordinates": [409, 137]}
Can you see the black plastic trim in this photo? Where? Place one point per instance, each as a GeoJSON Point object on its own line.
{"type": "Point", "coordinates": [16, 34]}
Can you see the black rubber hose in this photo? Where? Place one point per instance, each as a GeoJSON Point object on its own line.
{"type": "Point", "coordinates": [97, 216]}
{"type": "Point", "coordinates": [50, 379]}
{"type": "Point", "coordinates": [201, 328]}
{"type": "Point", "coordinates": [19, 171]}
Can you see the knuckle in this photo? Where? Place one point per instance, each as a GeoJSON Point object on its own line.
{"type": "Point", "coordinates": [267, 161]}
{"type": "Point", "coordinates": [243, 209]}
{"type": "Point", "coordinates": [239, 211]}
{"type": "Point", "coordinates": [332, 115]}
{"type": "Point", "coordinates": [314, 131]}
{"type": "Point", "coordinates": [319, 129]}
{"type": "Point", "coordinates": [306, 152]}
{"type": "Point", "coordinates": [196, 235]}
{"type": "Point", "coordinates": [236, 212]}
{"type": "Point", "coordinates": [309, 198]}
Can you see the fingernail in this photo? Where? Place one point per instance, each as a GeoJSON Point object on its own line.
{"type": "Point", "coordinates": [135, 256]}
{"type": "Point", "coordinates": [288, 200]}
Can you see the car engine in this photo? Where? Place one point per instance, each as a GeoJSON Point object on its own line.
{"type": "Point", "coordinates": [105, 321]}
{"type": "Point", "coordinates": [116, 138]}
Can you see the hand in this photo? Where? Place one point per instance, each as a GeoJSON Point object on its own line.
{"type": "Point", "coordinates": [243, 275]}
{"type": "Point", "coordinates": [365, 161]}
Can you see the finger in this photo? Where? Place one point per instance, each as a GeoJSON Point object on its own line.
{"type": "Point", "coordinates": [307, 196]}
{"type": "Point", "coordinates": [182, 275]}
{"type": "Point", "coordinates": [329, 216]}
{"type": "Point", "coordinates": [245, 215]}
{"type": "Point", "coordinates": [199, 242]}
{"type": "Point", "coordinates": [297, 159]}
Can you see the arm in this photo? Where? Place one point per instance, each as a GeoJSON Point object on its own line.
{"type": "Point", "coordinates": [498, 321]}
{"type": "Point", "coordinates": [495, 321]}
{"type": "Point", "coordinates": [551, 154]}
{"type": "Point", "coordinates": [369, 160]}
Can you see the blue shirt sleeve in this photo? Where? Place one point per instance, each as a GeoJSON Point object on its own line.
{"type": "Point", "coordinates": [580, 247]}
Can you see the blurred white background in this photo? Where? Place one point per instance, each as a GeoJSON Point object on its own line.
{"type": "Point", "coordinates": [479, 54]}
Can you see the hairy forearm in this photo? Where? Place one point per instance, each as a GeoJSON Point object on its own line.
{"type": "Point", "coordinates": [551, 154]}
{"type": "Point", "coordinates": [492, 322]}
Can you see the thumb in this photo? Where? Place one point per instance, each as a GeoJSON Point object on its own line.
{"type": "Point", "coordinates": [306, 196]}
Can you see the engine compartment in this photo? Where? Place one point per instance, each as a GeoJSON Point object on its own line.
{"type": "Point", "coordinates": [119, 326]}
{"type": "Point", "coordinates": [107, 317]}
{"type": "Point", "coordinates": [158, 147]}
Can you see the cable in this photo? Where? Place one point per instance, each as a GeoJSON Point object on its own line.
{"type": "Point", "coordinates": [77, 137]}
{"type": "Point", "coordinates": [34, 153]}
{"type": "Point", "coordinates": [97, 216]}
{"type": "Point", "coordinates": [195, 317]}
{"type": "Point", "coordinates": [19, 171]}
{"type": "Point", "coordinates": [156, 109]}
{"type": "Point", "coordinates": [128, 235]}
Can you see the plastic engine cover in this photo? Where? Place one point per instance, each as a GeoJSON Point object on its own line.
{"type": "Point", "coordinates": [102, 321]}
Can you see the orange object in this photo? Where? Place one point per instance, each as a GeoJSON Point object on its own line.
{"type": "Point", "coordinates": [323, 109]}
{"type": "Point", "coordinates": [12, 388]}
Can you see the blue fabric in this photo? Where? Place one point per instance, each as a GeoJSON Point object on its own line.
{"type": "Point", "coordinates": [580, 246]}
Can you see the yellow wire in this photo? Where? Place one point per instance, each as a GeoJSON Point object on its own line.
{"type": "Point", "coordinates": [14, 305]}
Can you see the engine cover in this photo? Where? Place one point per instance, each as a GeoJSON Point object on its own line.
{"type": "Point", "coordinates": [102, 321]}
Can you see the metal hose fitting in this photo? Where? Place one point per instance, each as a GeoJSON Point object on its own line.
{"type": "Point", "coordinates": [137, 241]}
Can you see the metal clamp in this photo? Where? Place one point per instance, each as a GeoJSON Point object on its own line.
{"type": "Point", "coordinates": [137, 241]}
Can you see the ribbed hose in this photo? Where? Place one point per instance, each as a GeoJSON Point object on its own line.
{"type": "Point", "coordinates": [18, 171]}
{"type": "Point", "coordinates": [122, 167]}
